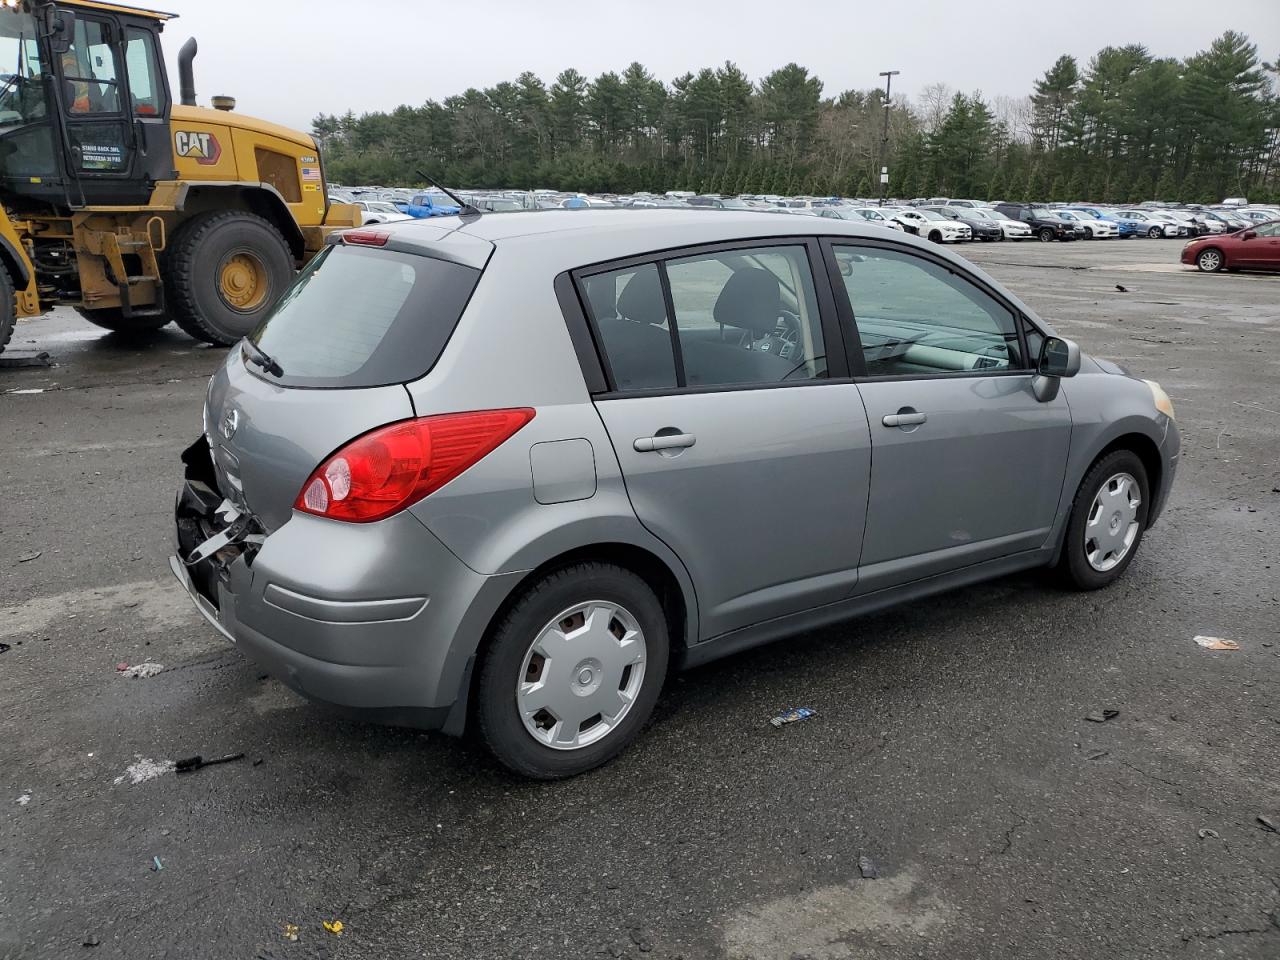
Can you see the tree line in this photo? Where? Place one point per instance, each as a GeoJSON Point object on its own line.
{"type": "Point", "coordinates": [1125, 127]}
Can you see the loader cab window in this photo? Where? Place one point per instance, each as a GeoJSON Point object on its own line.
{"type": "Point", "coordinates": [145, 89]}
{"type": "Point", "coordinates": [26, 130]}
{"type": "Point", "coordinates": [89, 70]}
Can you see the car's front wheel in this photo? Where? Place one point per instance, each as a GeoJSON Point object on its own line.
{"type": "Point", "coordinates": [1154, 233]}
{"type": "Point", "coordinates": [1108, 517]}
{"type": "Point", "coordinates": [572, 672]}
{"type": "Point", "coordinates": [1210, 260]}
{"type": "Point", "coordinates": [1045, 234]}
{"type": "Point", "coordinates": [935, 236]}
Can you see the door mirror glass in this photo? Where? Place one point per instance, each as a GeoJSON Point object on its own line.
{"type": "Point", "coordinates": [1059, 357]}
{"type": "Point", "coordinates": [1248, 234]}
{"type": "Point", "coordinates": [62, 25]}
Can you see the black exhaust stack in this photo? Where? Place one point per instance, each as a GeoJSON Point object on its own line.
{"type": "Point", "coordinates": [186, 79]}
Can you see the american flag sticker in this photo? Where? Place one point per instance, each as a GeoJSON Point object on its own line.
{"type": "Point", "coordinates": [310, 173]}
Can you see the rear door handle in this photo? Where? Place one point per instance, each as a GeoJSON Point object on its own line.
{"type": "Point", "coordinates": [904, 419]}
{"type": "Point", "coordinates": [664, 441]}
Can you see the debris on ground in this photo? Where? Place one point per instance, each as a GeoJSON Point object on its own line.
{"type": "Point", "coordinates": [1268, 824]}
{"type": "Point", "coordinates": [1216, 643]}
{"type": "Point", "coordinates": [333, 926]}
{"type": "Point", "coordinates": [794, 715]}
{"type": "Point", "coordinates": [1097, 754]}
{"type": "Point", "coordinates": [144, 770]}
{"type": "Point", "coordinates": [20, 392]}
{"type": "Point", "coordinates": [191, 764]}
{"type": "Point", "coordinates": [291, 932]}
{"type": "Point", "coordinates": [90, 941]}
{"type": "Point", "coordinates": [28, 358]}
{"type": "Point", "coordinates": [28, 557]}
{"type": "Point", "coordinates": [1102, 716]}
{"type": "Point", "coordinates": [1204, 833]}
{"type": "Point", "coordinates": [24, 799]}
{"type": "Point", "coordinates": [156, 865]}
{"type": "Point", "coordinates": [1122, 289]}
{"type": "Point", "coordinates": [867, 867]}
{"type": "Point", "coordinates": [5, 648]}
{"type": "Point", "coordinates": [140, 671]}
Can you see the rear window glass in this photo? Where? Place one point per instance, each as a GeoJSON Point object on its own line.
{"type": "Point", "coordinates": [357, 317]}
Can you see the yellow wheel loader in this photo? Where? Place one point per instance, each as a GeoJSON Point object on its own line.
{"type": "Point", "coordinates": [133, 208]}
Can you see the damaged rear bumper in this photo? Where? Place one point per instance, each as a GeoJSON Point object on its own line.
{"type": "Point", "coordinates": [378, 618]}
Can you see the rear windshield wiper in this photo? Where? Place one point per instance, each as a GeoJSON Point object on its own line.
{"type": "Point", "coordinates": [257, 355]}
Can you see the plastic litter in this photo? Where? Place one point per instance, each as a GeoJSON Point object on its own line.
{"type": "Point", "coordinates": [291, 932]}
{"type": "Point", "coordinates": [156, 865]}
{"type": "Point", "coordinates": [333, 926]}
{"type": "Point", "coordinates": [24, 799]}
{"type": "Point", "coordinates": [28, 557]}
{"type": "Point", "coordinates": [794, 715]}
{"type": "Point", "coordinates": [191, 764]}
{"type": "Point", "coordinates": [1205, 832]}
{"type": "Point", "coordinates": [1268, 824]}
{"type": "Point", "coordinates": [1102, 716]}
{"type": "Point", "coordinates": [867, 867]}
{"type": "Point", "coordinates": [141, 671]}
{"type": "Point", "coordinates": [1217, 643]}
{"type": "Point", "coordinates": [90, 941]}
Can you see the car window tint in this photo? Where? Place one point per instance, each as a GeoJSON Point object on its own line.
{"type": "Point", "coordinates": [747, 316]}
{"type": "Point", "coordinates": [916, 317]}
{"type": "Point", "coordinates": [631, 319]}
{"type": "Point", "coordinates": [1268, 230]}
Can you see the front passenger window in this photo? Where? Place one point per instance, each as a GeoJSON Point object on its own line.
{"type": "Point", "coordinates": [917, 318]}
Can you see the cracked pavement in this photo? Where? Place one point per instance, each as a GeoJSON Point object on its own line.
{"type": "Point", "coordinates": [950, 744]}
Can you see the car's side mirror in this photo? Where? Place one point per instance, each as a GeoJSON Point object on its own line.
{"type": "Point", "coordinates": [1248, 234]}
{"type": "Point", "coordinates": [1059, 358]}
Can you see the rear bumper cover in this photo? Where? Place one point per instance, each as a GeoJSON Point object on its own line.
{"type": "Point", "coordinates": [381, 617]}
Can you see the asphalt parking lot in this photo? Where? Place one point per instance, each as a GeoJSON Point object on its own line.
{"type": "Point", "coordinates": [950, 746]}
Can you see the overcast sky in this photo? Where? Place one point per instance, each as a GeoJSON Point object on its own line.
{"type": "Point", "coordinates": [288, 61]}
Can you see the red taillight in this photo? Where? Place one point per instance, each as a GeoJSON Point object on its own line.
{"type": "Point", "coordinates": [366, 238]}
{"type": "Point", "coordinates": [394, 466]}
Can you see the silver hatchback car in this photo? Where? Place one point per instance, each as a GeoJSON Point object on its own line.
{"type": "Point", "coordinates": [509, 469]}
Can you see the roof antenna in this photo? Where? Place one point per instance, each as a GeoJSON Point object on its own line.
{"type": "Point", "coordinates": [465, 209]}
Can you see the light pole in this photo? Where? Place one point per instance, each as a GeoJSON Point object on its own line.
{"type": "Point", "coordinates": [884, 141]}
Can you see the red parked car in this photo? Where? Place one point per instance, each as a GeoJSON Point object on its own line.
{"type": "Point", "coordinates": [1251, 248]}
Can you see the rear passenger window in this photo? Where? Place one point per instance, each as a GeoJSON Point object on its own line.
{"type": "Point", "coordinates": [747, 316]}
{"type": "Point", "coordinates": [915, 317]}
{"type": "Point", "coordinates": [631, 318]}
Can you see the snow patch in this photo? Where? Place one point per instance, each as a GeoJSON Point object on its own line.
{"type": "Point", "coordinates": [144, 770]}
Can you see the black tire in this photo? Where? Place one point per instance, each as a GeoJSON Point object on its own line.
{"type": "Point", "coordinates": [113, 319]}
{"type": "Point", "coordinates": [197, 256]}
{"type": "Point", "coordinates": [1210, 260]}
{"type": "Point", "coordinates": [8, 308]}
{"type": "Point", "coordinates": [1088, 233]}
{"type": "Point", "coordinates": [1073, 565]}
{"type": "Point", "coordinates": [935, 236]}
{"type": "Point", "coordinates": [497, 712]}
{"type": "Point", "coordinates": [1045, 234]}
{"type": "Point", "coordinates": [1155, 233]}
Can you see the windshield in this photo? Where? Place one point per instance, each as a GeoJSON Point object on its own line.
{"type": "Point", "coordinates": [732, 203]}
{"type": "Point", "coordinates": [22, 94]}
{"type": "Point", "coordinates": [930, 215]}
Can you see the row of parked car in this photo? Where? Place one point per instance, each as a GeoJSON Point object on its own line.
{"type": "Point", "coordinates": [940, 219]}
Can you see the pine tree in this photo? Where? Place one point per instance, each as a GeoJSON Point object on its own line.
{"type": "Point", "coordinates": [1057, 190]}
{"type": "Point", "coordinates": [1142, 188]}
{"type": "Point", "coordinates": [1168, 188]}
{"type": "Point", "coordinates": [1076, 189]}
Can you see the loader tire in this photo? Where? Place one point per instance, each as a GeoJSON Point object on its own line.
{"type": "Point", "coordinates": [225, 272]}
{"type": "Point", "coordinates": [8, 308]}
{"type": "Point", "coordinates": [113, 319]}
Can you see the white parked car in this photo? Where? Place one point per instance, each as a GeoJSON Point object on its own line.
{"type": "Point", "coordinates": [932, 226]}
{"type": "Point", "coordinates": [873, 215]}
{"type": "Point", "coordinates": [380, 211]}
{"type": "Point", "coordinates": [1012, 229]}
{"type": "Point", "coordinates": [1093, 229]}
{"type": "Point", "coordinates": [1153, 225]}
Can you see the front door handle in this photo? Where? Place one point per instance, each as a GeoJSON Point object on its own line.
{"type": "Point", "coordinates": [911, 419]}
{"type": "Point", "coordinates": [664, 441]}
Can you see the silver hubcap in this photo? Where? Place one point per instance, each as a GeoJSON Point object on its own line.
{"type": "Point", "coordinates": [1113, 522]}
{"type": "Point", "coordinates": [1209, 260]}
{"type": "Point", "coordinates": [581, 675]}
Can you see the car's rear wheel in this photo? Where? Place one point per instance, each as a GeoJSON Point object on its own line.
{"type": "Point", "coordinates": [1154, 233]}
{"type": "Point", "coordinates": [1209, 260]}
{"type": "Point", "coordinates": [1045, 234]}
{"type": "Point", "coordinates": [572, 672]}
{"type": "Point", "coordinates": [1108, 517]}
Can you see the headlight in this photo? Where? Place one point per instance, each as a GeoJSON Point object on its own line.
{"type": "Point", "coordinates": [1160, 398]}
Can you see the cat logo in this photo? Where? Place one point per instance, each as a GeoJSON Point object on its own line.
{"type": "Point", "coordinates": [200, 146]}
